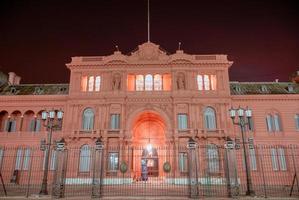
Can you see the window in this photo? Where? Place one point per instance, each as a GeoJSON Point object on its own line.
{"type": "Point", "coordinates": [183, 162]}
{"type": "Point", "coordinates": [87, 119]}
{"type": "Point", "coordinates": [1, 156]}
{"type": "Point", "coordinates": [139, 83]}
{"type": "Point", "coordinates": [250, 124]}
{"type": "Point", "coordinates": [90, 83]}
{"type": "Point", "coordinates": [157, 82]}
{"type": "Point", "coordinates": [35, 125]}
{"type": "Point", "coordinates": [166, 82]}
{"type": "Point", "coordinates": [252, 159]}
{"type": "Point", "coordinates": [213, 158]}
{"type": "Point", "coordinates": [297, 121]}
{"type": "Point", "coordinates": [278, 159]}
{"type": "Point", "coordinates": [210, 118]}
{"type": "Point", "coordinates": [84, 162]}
{"type": "Point", "coordinates": [182, 121]}
{"type": "Point", "coordinates": [206, 80]}
{"type": "Point", "coordinates": [115, 122]}
{"type": "Point", "coordinates": [22, 160]}
{"type": "Point", "coordinates": [11, 125]}
{"type": "Point", "coordinates": [98, 83]}
{"type": "Point", "coordinates": [83, 83]}
{"type": "Point", "coordinates": [199, 82]}
{"type": "Point", "coordinates": [273, 123]}
{"type": "Point", "coordinates": [213, 82]}
{"type": "Point", "coordinates": [53, 161]}
{"type": "Point", "coordinates": [148, 82]}
{"type": "Point", "coordinates": [113, 161]}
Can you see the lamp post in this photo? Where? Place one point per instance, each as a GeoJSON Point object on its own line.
{"type": "Point", "coordinates": [243, 114]}
{"type": "Point", "coordinates": [49, 119]}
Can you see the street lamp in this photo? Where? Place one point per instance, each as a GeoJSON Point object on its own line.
{"type": "Point", "coordinates": [49, 122]}
{"type": "Point", "coordinates": [244, 116]}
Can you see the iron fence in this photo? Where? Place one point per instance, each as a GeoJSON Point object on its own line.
{"type": "Point", "coordinates": [204, 170]}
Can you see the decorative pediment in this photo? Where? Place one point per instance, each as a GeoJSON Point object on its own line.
{"type": "Point", "coordinates": [148, 52]}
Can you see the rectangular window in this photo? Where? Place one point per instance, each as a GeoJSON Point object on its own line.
{"type": "Point", "coordinates": [113, 161]}
{"type": "Point", "coordinates": [115, 121]}
{"type": "Point", "coordinates": [18, 165]}
{"type": "Point", "coordinates": [90, 83]}
{"type": "Point", "coordinates": [182, 121]}
{"type": "Point", "coordinates": [269, 122]}
{"type": "Point", "coordinates": [277, 124]}
{"type": "Point", "coordinates": [297, 121]}
{"type": "Point", "coordinates": [53, 161]}
{"type": "Point", "coordinates": [26, 159]}
{"type": "Point", "coordinates": [1, 156]}
{"type": "Point", "coordinates": [206, 80]}
{"type": "Point", "coordinates": [11, 125]}
{"type": "Point", "coordinates": [183, 162]}
{"type": "Point", "coordinates": [199, 82]}
{"type": "Point", "coordinates": [282, 159]}
{"type": "Point", "coordinates": [274, 159]}
{"type": "Point", "coordinates": [98, 83]}
{"type": "Point", "coordinates": [83, 83]}
{"type": "Point", "coordinates": [131, 82]}
{"type": "Point", "coordinates": [213, 82]}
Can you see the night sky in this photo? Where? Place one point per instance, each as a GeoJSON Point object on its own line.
{"type": "Point", "coordinates": [37, 37]}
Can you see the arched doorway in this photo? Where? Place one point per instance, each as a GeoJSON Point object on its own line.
{"type": "Point", "coordinates": [148, 141]}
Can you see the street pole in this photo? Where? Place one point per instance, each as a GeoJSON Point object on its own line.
{"type": "Point", "coordinates": [49, 117]}
{"type": "Point", "coordinates": [44, 190]}
{"type": "Point", "coordinates": [242, 124]}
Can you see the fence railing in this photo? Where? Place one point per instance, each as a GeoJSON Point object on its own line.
{"type": "Point", "coordinates": [205, 170]}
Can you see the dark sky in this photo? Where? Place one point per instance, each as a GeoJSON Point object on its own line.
{"type": "Point", "coordinates": [37, 37]}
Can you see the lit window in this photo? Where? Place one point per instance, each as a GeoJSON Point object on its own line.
{"type": "Point", "coordinates": [278, 159]}
{"type": "Point", "coordinates": [199, 82]}
{"type": "Point", "coordinates": [157, 82]}
{"type": "Point", "coordinates": [113, 161]}
{"type": "Point", "coordinates": [213, 158]}
{"type": "Point", "coordinates": [84, 162]}
{"type": "Point", "coordinates": [183, 162]}
{"type": "Point", "coordinates": [87, 119]}
{"type": "Point", "coordinates": [148, 82]}
{"type": "Point", "coordinates": [182, 121]}
{"type": "Point", "coordinates": [297, 121]}
{"type": "Point", "coordinates": [213, 82]}
{"type": "Point", "coordinates": [90, 83]}
{"type": "Point", "coordinates": [139, 83]}
{"type": "Point", "coordinates": [206, 82]}
{"type": "Point", "coordinates": [83, 83]}
{"type": "Point", "coordinates": [210, 118]}
{"type": "Point", "coordinates": [131, 82]}
{"type": "Point", "coordinates": [98, 83]}
{"type": "Point", "coordinates": [115, 122]}
{"type": "Point", "coordinates": [166, 82]}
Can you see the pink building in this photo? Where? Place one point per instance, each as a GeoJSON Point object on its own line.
{"type": "Point", "coordinates": [151, 97]}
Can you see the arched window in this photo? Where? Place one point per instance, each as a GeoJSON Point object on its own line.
{"type": "Point", "coordinates": [139, 83]}
{"type": "Point", "coordinates": [273, 123]}
{"type": "Point", "coordinates": [157, 82]}
{"type": "Point", "coordinates": [213, 158]}
{"type": "Point", "coordinates": [199, 82]}
{"type": "Point", "coordinates": [84, 162]}
{"type": "Point", "coordinates": [210, 118]}
{"type": "Point", "coordinates": [87, 119]}
{"type": "Point", "coordinates": [98, 83]}
{"type": "Point", "coordinates": [90, 83]}
{"type": "Point", "coordinates": [148, 82]}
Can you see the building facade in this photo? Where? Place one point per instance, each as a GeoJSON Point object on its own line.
{"type": "Point", "coordinates": [148, 97]}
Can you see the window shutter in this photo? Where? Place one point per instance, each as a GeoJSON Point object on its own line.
{"type": "Point", "coordinates": [252, 159]}
{"type": "Point", "coordinates": [19, 159]}
{"type": "Point", "coordinates": [6, 125]}
{"type": "Point", "coordinates": [274, 159]}
{"type": "Point", "coordinates": [297, 121]}
{"type": "Point", "coordinates": [277, 125]}
{"type": "Point", "coordinates": [32, 125]}
{"type": "Point", "coordinates": [26, 159]}
{"type": "Point", "coordinates": [1, 156]}
{"type": "Point", "coordinates": [282, 159]}
{"type": "Point", "coordinates": [53, 162]}
{"type": "Point", "coordinates": [269, 123]}
{"type": "Point", "coordinates": [13, 125]}
{"type": "Point", "coordinates": [84, 162]}
{"type": "Point", "coordinates": [38, 125]}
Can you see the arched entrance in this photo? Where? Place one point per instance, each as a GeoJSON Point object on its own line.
{"type": "Point", "coordinates": [148, 139]}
